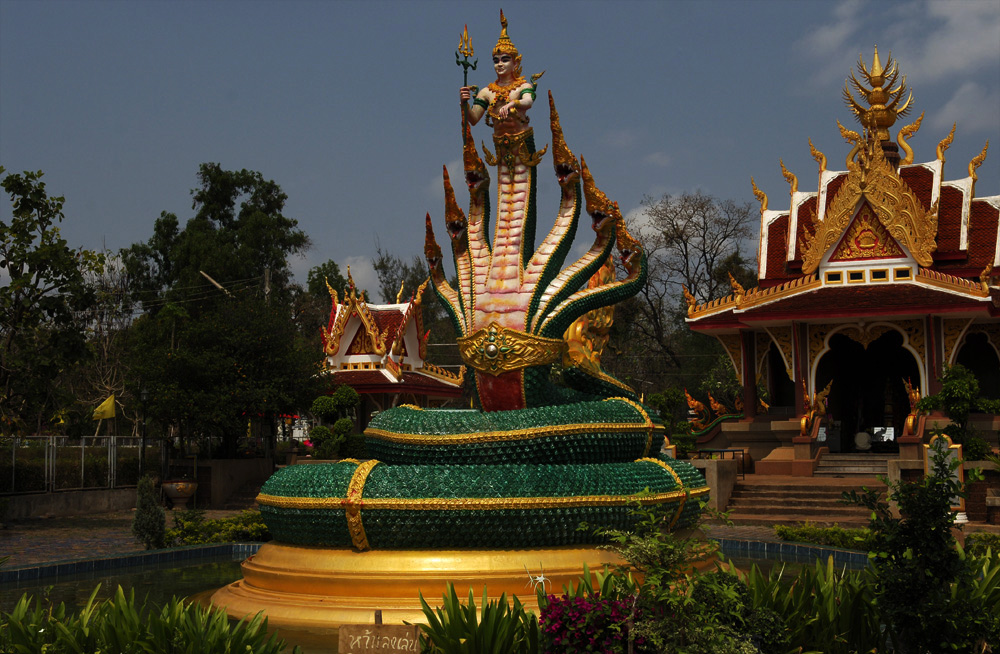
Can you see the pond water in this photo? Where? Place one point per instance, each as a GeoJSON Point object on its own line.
{"type": "Point", "coordinates": [186, 578]}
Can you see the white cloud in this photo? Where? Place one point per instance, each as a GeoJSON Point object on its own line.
{"type": "Point", "coordinates": [434, 189]}
{"type": "Point", "coordinates": [956, 38]}
{"type": "Point", "coordinates": [972, 107]}
{"type": "Point", "coordinates": [827, 43]}
{"type": "Point", "coordinates": [620, 138]}
{"type": "Point", "coordinates": [363, 274]}
{"type": "Point", "coordinates": [661, 159]}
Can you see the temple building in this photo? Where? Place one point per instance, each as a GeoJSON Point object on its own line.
{"type": "Point", "coordinates": [380, 350]}
{"type": "Point", "coordinates": [867, 288]}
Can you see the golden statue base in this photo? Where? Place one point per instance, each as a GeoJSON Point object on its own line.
{"type": "Point", "coordinates": [302, 587]}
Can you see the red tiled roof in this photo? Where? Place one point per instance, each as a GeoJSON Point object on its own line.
{"type": "Point", "coordinates": [777, 243]}
{"type": "Point", "coordinates": [387, 319]}
{"type": "Point", "coordinates": [921, 181]}
{"type": "Point", "coordinates": [983, 219]}
{"type": "Point", "coordinates": [805, 222]}
{"type": "Point", "coordinates": [950, 219]}
{"type": "Point", "coordinates": [832, 187]}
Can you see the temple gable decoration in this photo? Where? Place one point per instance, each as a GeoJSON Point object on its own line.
{"type": "Point", "coordinates": [866, 238]}
{"type": "Point", "coordinates": [872, 179]}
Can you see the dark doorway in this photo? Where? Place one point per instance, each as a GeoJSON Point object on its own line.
{"type": "Point", "coordinates": [868, 394]}
{"type": "Point", "coordinates": [780, 387]}
{"type": "Point", "coordinates": [978, 355]}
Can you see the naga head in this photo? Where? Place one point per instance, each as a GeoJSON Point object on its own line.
{"type": "Point", "coordinates": [453, 214]}
{"type": "Point", "coordinates": [563, 160]}
{"type": "Point", "coordinates": [476, 174]}
{"type": "Point", "coordinates": [604, 214]}
{"type": "Point", "coordinates": [629, 248]}
{"type": "Point", "coordinates": [432, 251]}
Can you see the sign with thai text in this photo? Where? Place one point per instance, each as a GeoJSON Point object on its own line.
{"type": "Point", "coordinates": [380, 638]}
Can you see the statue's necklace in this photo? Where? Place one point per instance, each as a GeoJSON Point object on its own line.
{"type": "Point", "coordinates": [501, 94]}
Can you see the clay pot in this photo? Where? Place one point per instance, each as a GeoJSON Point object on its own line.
{"type": "Point", "coordinates": [180, 492]}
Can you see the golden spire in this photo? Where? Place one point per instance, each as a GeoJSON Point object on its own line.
{"type": "Point", "coordinates": [976, 162]}
{"type": "Point", "coordinates": [818, 156]}
{"type": "Point", "coordinates": [760, 195]}
{"type": "Point", "coordinates": [945, 143]}
{"type": "Point", "coordinates": [883, 100]}
{"type": "Point", "coordinates": [399, 295]}
{"type": "Point", "coordinates": [789, 177]}
{"type": "Point", "coordinates": [333, 293]}
{"type": "Point", "coordinates": [905, 133]}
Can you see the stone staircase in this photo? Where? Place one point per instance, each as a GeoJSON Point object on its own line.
{"type": "Point", "coordinates": [853, 465]}
{"type": "Point", "coordinates": [794, 500]}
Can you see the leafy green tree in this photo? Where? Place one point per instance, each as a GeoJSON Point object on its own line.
{"type": "Point", "coordinates": [923, 585]}
{"type": "Point", "coordinates": [241, 360]}
{"type": "Point", "coordinates": [323, 274]}
{"type": "Point", "coordinates": [44, 290]}
{"type": "Point", "coordinates": [211, 359]}
{"type": "Point", "coordinates": [239, 236]}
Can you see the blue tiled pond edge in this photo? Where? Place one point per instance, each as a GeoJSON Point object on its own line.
{"type": "Point", "coordinates": [791, 552]}
{"type": "Point", "coordinates": [734, 547]}
{"type": "Point", "coordinates": [237, 551]}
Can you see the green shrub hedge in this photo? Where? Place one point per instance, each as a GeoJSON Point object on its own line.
{"type": "Point", "coordinates": [848, 539]}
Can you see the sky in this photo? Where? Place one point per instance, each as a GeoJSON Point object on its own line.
{"type": "Point", "coordinates": [352, 107]}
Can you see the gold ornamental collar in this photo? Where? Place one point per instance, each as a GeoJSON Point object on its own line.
{"type": "Point", "coordinates": [496, 349]}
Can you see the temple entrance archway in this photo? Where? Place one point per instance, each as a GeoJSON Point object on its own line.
{"type": "Point", "coordinates": [867, 393]}
{"type": "Point", "coordinates": [980, 357]}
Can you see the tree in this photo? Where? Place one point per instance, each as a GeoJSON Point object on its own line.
{"type": "Point", "coordinates": [44, 291]}
{"type": "Point", "coordinates": [213, 358]}
{"type": "Point", "coordinates": [242, 360]}
{"type": "Point", "coordinates": [691, 240]}
{"type": "Point", "coordinates": [243, 248]}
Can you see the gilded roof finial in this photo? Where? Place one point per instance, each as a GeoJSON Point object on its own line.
{"type": "Point", "coordinates": [945, 143]}
{"type": "Point", "coordinates": [691, 301]}
{"type": "Point", "coordinates": [905, 133]}
{"type": "Point", "coordinates": [977, 161]}
{"type": "Point", "coordinates": [333, 293]}
{"type": "Point", "coordinates": [883, 100]}
{"type": "Point", "coordinates": [789, 177]}
{"type": "Point", "coordinates": [851, 137]}
{"type": "Point", "coordinates": [760, 195]}
{"type": "Point", "coordinates": [818, 156]}
{"type": "Point", "coordinates": [399, 295]}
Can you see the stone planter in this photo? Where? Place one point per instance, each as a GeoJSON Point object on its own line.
{"type": "Point", "coordinates": [180, 492]}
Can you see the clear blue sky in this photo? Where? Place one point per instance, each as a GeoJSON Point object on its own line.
{"type": "Point", "coordinates": [352, 107]}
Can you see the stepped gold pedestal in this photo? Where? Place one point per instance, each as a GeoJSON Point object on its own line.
{"type": "Point", "coordinates": [310, 588]}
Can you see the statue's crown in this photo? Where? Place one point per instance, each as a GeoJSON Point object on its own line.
{"type": "Point", "coordinates": [504, 44]}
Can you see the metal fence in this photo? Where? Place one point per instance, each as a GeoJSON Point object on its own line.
{"type": "Point", "coordinates": [45, 464]}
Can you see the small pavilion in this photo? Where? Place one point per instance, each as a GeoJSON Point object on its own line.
{"type": "Point", "coordinates": [867, 288]}
{"type": "Point", "coordinates": [380, 350]}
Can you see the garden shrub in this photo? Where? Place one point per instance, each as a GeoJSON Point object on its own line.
{"type": "Point", "coordinates": [149, 522]}
{"type": "Point", "coordinates": [586, 624]}
{"type": "Point", "coordinates": [124, 626]}
{"type": "Point", "coordinates": [192, 528]}
{"type": "Point", "coordinates": [497, 627]}
{"type": "Point", "coordinates": [923, 585]}
{"type": "Point", "coordinates": [836, 536]}
{"type": "Point", "coordinates": [976, 544]}
{"type": "Point", "coordinates": [354, 447]}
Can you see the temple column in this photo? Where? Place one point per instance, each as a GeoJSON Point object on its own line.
{"type": "Point", "coordinates": [800, 365]}
{"type": "Point", "coordinates": [935, 337]}
{"type": "Point", "coordinates": [749, 378]}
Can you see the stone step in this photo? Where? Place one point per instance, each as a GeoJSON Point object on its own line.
{"type": "Point", "coordinates": [868, 471]}
{"type": "Point", "coordinates": [787, 501]}
{"type": "Point", "coordinates": [796, 518]}
{"type": "Point", "coordinates": [819, 511]}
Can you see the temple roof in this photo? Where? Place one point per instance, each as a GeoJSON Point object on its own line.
{"type": "Point", "coordinates": [886, 235]}
{"type": "Point", "coordinates": [382, 347]}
